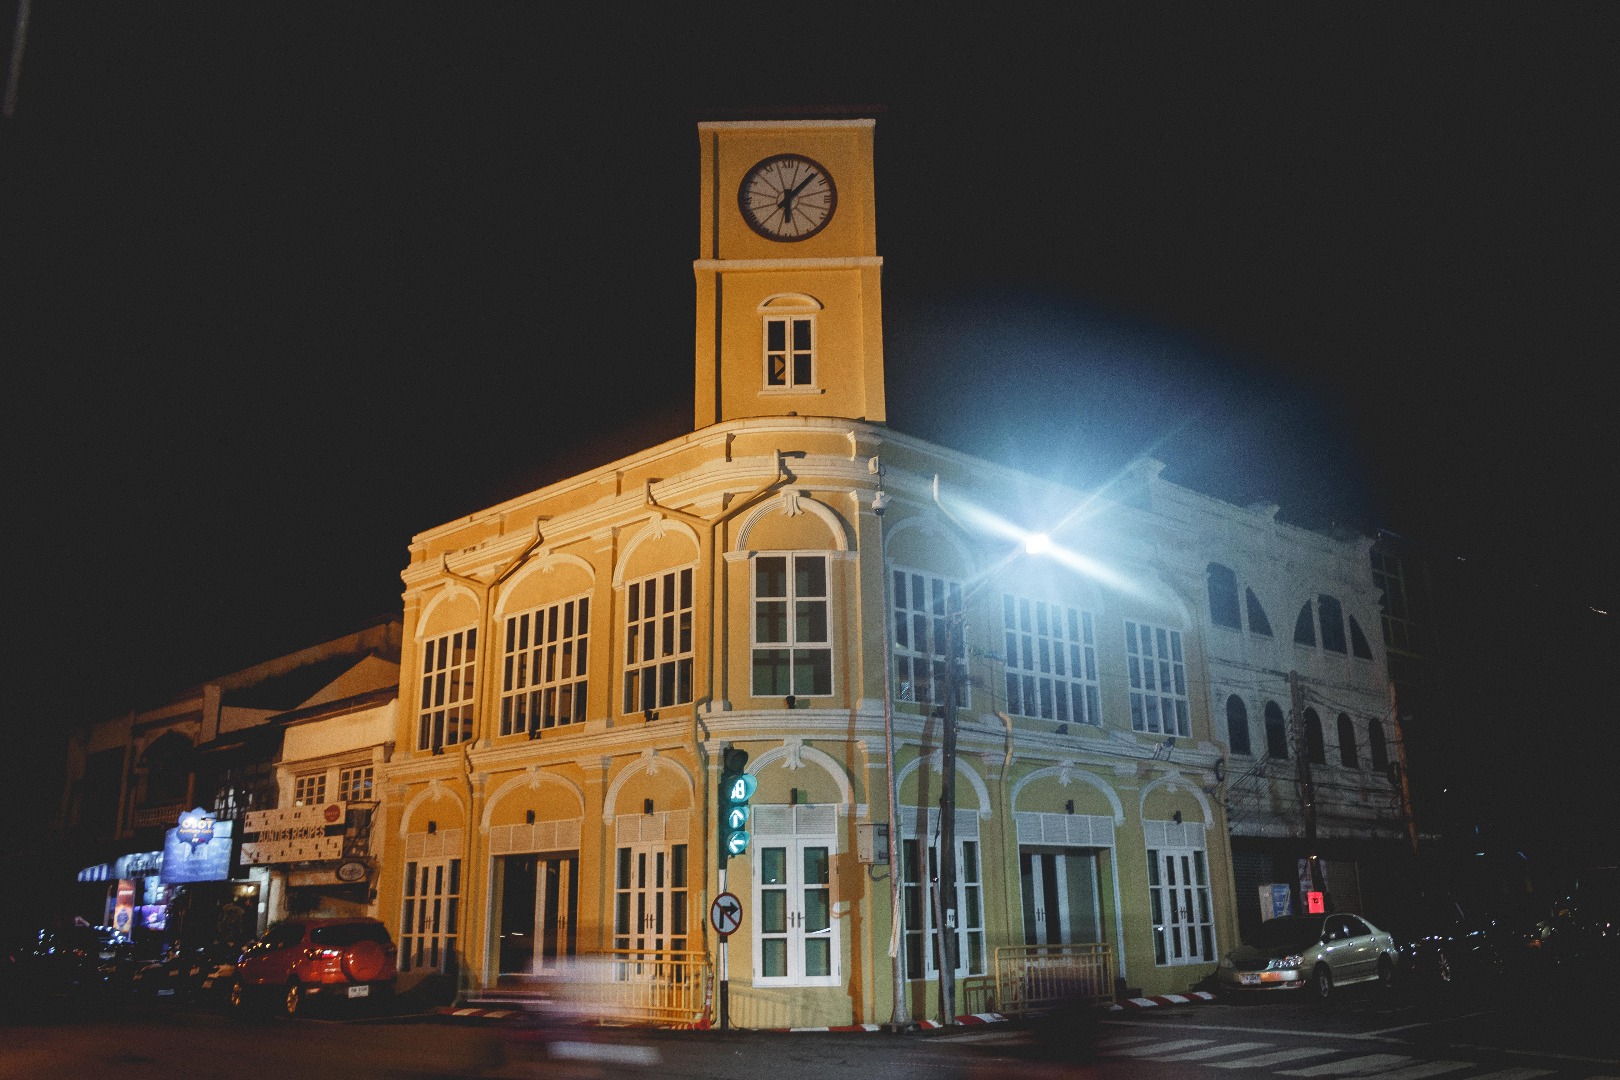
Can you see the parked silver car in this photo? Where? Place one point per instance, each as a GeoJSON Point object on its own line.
{"type": "Point", "coordinates": [1310, 952]}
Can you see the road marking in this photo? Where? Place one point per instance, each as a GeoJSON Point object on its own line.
{"type": "Point", "coordinates": [1515, 1074]}
{"type": "Point", "coordinates": [1156, 1048]}
{"type": "Point", "coordinates": [1123, 1040]}
{"type": "Point", "coordinates": [1276, 1057]}
{"type": "Point", "coordinates": [1356, 1066]}
{"type": "Point", "coordinates": [1214, 1051]}
{"type": "Point", "coordinates": [1423, 1070]}
{"type": "Point", "coordinates": [1426, 1023]}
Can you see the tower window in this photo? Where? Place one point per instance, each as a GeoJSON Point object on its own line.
{"type": "Point", "coordinates": [790, 353]}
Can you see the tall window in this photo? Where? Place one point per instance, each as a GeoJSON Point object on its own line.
{"type": "Point", "coordinates": [795, 933]}
{"type": "Point", "coordinates": [650, 899]}
{"type": "Point", "coordinates": [1390, 576]}
{"type": "Point", "coordinates": [792, 649]}
{"type": "Point", "coordinates": [1258, 623]}
{"type": "Point", "coordinates": [1347, 743]}
{"type": "Point", "coordinates": [1276, 732]}
{"type": "Point", "coordinates": [922, 940]}
{"type": "Point", "coordinates": [543, 680]}
{"type": "Point", "coordinates": [790, 353]}
{"type": "Point", "coordinates": [354, 784]}
{"type": "Point", "coordinates": [658, 641]}
{"type": "Point", "coordinates": [447, 690]}
{"type": "Point", "coordinates": [1377, 749]}
{"type": "Point", "coordinates": [1237, 725]}
{"type": "Point", "coordinates": [1223, 597]}
{"type": "Point", "coordinates": [1051, 661]}
{"type": "Point", "coordinates": [1332, 618]}
{"type": "Point", "coordinates": [1178, 894]}
{"type": "Point", "coordinates": [1304, 628]}
{"type": "Point", "coordinates": [430, 915]}
{"type": "Point", "coordinates": [1158, 680]}
{"type": "Point", "coordinates": [920, 635]}
{"type": "Point", "coordinates": [1358, 640]}
{"type": "Point", "coordinates": [1317, 753]}
{"type": "Point", "coordinates": [309, 789]}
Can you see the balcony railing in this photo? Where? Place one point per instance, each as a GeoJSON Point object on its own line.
{"type": "Point", "coordinates": [1034, 977]}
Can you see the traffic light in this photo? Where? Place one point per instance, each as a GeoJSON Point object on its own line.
{"type": "Point", "coordinates": [736, 788]}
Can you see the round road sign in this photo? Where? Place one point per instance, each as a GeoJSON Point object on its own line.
{"type": "Point", "coordinates": [725, 914]}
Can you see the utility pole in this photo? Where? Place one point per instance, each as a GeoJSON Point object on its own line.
{"type": "Point", "coordinates": [1307, 789]}
{"type": "Point", "coordinates": [1406, 785]}
{"type": "Point", "coordinates": [947, 818]}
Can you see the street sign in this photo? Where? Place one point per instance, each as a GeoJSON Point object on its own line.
{"type": "Point", "coordinates": [725, 914]}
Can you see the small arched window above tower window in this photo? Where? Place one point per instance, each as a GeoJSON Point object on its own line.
{"type": "Point", "coordinates": [1305, 627]}
{"type": "Point", "coordinates": [1237, 725]}
{"type": "Point", "coordinates": [1377, 750]}
{"type": "Point", "coordinates": [1332, 619]}
{"type": "Point", "coordinates": [1315, 751]}
{"type": "Point", "coordinates": [1358, 640]}
{"type": "Point", "coordinates": [790, 342]}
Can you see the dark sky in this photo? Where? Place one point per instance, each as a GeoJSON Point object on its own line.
{"type": "Point", "coordinates": [286, 283]}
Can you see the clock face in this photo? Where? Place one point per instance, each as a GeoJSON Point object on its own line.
{"type": "Point", "coordinates": [787, 197]}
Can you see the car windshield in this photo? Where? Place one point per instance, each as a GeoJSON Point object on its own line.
{"type": "Point", "coordinates": [350, 933]}
{"type": "Point", "coordinates": [1288, 932]}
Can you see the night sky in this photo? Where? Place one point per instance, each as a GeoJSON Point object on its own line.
{"type": "Point", "coordinates": [287, 283]}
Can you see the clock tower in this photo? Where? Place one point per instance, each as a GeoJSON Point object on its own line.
{"type": "Point", "coordinates": [789, 308]}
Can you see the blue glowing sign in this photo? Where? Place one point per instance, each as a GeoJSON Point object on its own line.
{"type": "Point", "coordinates": [185, 859]}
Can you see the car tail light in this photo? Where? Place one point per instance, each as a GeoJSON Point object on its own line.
{"type": "Point", "coordinates": [324, 954]}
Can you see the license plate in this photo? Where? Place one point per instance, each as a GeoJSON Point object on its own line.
{"type": "Point", "coordinates": [359, 991]}
{"type": "Point", "coordinates": [1247, 979]}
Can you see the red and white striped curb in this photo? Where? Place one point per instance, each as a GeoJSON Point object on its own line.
{"type": "Point", "coordinates": [1163, 999]}
{"type": "Point", "coordinates": [968, 1020]}
{"type": "Point", "coordinates": [488, 1014]}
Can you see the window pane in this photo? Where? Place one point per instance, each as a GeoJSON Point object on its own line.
{"type": "Point", "coordinates": [773, 911]}
{"type": "Point", "coordinates": [773, 866]}
{"type": "Point", "coordinates": [818, 957]}
{"type": "Point", "coordinates": [773, 958]}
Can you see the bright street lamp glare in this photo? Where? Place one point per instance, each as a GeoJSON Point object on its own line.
{"type": "Point", "coordinates": [1037, 544]}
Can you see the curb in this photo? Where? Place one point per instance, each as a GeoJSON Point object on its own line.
{"type": "Point", "coordinates": [968, 1020]}
{"type": "Point", "coordinates": [1162, 999]}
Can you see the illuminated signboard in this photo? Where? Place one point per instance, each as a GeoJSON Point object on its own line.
{"type": "Point", "coordinates": [188, 857]}
{"type": "Point", "coordinates": [294, 834]}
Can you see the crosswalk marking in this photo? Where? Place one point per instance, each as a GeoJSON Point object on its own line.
{"type": "Point", "coordinates": [1124, 1040]}
{"type": "Point", "coordinates": [1214, 1051]}
{"type": "Point", "coordinates": [1276, 1057]}
{"type": "Point", "coordinates": [1423, 1070]}
{"type": "Point", "coordinates": [1157, 1048]}
{"type": "Point", "coordinates": [1356, 1066]}
{"type": "Point", "coordinates": [1517, 1074]}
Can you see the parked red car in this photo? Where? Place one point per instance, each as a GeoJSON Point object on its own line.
{"type": "Point", "coordinates": [300, 960]}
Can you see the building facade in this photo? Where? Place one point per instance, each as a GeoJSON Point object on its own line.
{"type": "Point", "coordinates": [578, 661]}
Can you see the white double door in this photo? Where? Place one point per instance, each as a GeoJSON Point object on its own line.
{"type": "Point", "coordinates": [1062, 901]}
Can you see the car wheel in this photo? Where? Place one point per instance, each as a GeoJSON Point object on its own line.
{"type": "Point", "coordinates": [1322, 982]}
{"type": "Point", "coordinates": [293, 1002]}
{"type": "Point", "coordinates": [1386, 974]}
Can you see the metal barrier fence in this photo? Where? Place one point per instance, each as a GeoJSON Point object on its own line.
{"type": "Point", "coordinates": [1030, 977]}
{"type": "Point", "coordinates": [638, 986]}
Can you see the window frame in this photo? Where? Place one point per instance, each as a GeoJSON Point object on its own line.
{"type": "Point", "coordinates": [449, 690]}
{"type": "Point", "coordinates": [903, 625]}
{"type": "Point", "coordinates": [653, 632]}
{"type": "Point", "coordinates": [433, 925]}
{"type": "Point", "coordinates": [1061, 696]}
{"type": "Point", "coordinates": [1239, 723]}
{"type": "Point", "coordinates": [1148, 674]}
{"type": "Point", "coordinates": [1168, 940]}
{"type": "Point", "coordinates": [309, 789]}
{"type": "Point", "coordinates": [536, 646]}
{"type": "Point", "coordinates": [1221, 587]}
{"type": "Point", "coordinates": [792, 602]}
{"type": "Point", "coordinates": [352, 778]}
{"type": "Point", "coordinates": [796, 890]}
{"type": "Point", "coordinates": [790, 353]}
{"type": "Point", "coordinates": [915, 891]}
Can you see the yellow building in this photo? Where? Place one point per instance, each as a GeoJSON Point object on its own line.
{"type": "Point", "coordinates": [577, 660]}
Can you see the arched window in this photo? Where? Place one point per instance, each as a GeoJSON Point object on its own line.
{"type": "Point", "coordinates": [1237, 725]}
{"type": "Point", "coordinates": [168, 769]}
{"type": "Point", "coordinates": [1258, 623]}
{"type": "Point", "coordinates": [1375, 744]}
{"type": "Point", "coordinates": [1332, 619]}
{"type": "Point", "coordinates": [1223, 597]}
{"type": "Point", "coordinates": [1304, 628]}
{"type": "Point", "coordinates": [1347, 743]}
{"type": "Point", "coordinates": [1276, 732]}
{"type": "Point", "coordinates": [1314, 750]}
{"type": "Point", "coordinates": [1358, 640]}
